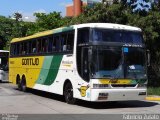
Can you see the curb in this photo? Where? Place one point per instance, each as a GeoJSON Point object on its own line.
{"type": "Point", "coordinates": [153, 98]}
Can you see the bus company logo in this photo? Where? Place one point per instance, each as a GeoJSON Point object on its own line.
{"type": "Point", "coordinates": [30, 61]}
{"type": "Point", "coordinates": [83, 90]}
{"type": "Point", "coordinates": [67, 62]}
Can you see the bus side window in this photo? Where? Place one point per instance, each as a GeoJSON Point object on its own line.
{"type": "Point", "coordinates": [64, 42]}
{"type": "Point", "coordinates": [17, 49]}
{"type": "Point", "coordinates": [24, 49]}
{"type": "Point", "coordinates": [57, 43]}
{"type": "Point", "coordinates": [50, 44]}
{"type": "Point", "coordinates": [34, 49]}
{"type": "Point", "coordinates": [29, 47]}
{"type": "Point", "coordinates": [83, 35]}
{"type": "Point", "coordinates": [39, 45]}
{"type": "Point", "coordinates": [70, 41]}
{"type": "Point", "coordinates": [13, 49]}
{"type": "Point", "coordinates": [44, 45]}
{"type": "Point", "coordinates": [47, 44]}
{"type": "Point", "coordinates": [54, 45]}
{"type": "Point", "coordinates": [20, 48]}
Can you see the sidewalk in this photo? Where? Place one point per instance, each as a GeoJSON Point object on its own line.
{"type": "Point", "coordinates": [153, 98]}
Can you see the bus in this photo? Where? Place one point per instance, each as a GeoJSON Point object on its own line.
{"type": "Point", "coordinates": [4, 58]}
{"type": "Point", "coordinates": [92, 62]}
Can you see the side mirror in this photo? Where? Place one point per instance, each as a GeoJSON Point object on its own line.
{"type": "Point", "coordinates": [148, 58]}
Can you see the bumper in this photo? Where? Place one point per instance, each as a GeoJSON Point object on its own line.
{"type": "Point", "coordinates": [117, 94]}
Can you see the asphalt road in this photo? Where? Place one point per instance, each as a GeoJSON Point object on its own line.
{"type": "Point", "coordinates": [13, 101]}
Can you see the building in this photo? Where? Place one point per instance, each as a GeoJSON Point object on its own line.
{"type": "Point", "coordinates": [75, 9]}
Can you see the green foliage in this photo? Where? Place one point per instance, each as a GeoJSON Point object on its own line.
{"type": "Point", "coordinates": [6, 26]}
{"type": "Point", "coordinates": [153, 91]}
{"type": "Point", "coordinates": [17, 16]}
{"type": "Point", "coordinates": [48, 21]}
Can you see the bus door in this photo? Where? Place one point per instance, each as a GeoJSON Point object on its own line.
{"type": "Point", "coordinates": [85, 64]}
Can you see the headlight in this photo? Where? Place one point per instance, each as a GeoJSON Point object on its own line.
{"type": "Point", "coordinates": [100, 86]}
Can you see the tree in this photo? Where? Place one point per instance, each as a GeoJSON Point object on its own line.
{"type": "Point", "coordinates": [17, 16]}
{"type": "Point", "coordinates": [6, 26]}
{"type": "Point", "coordinates": [17, 25]}
{"type": "Point", "coordinates": [48, 21]}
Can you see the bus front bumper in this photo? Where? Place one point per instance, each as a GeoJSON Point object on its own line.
{"type": "Point", "coordinates": [101, 95]}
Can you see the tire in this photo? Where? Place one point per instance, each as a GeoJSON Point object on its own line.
{"type": "Point", "coordinates": [19, 83]}
{"type": "Point", "coordinates": [23, 85]}
{"type": "Point", "coordinates": [19, 86]}
{"type": "Point", "coordinates": [68, 94]}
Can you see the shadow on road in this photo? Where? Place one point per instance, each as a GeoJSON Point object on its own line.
{"type": "Point", "coordinates": [96, 105]}
{"type": "Point", "coordinates": [119, 104]}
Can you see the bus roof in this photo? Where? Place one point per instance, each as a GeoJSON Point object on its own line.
{"type": "Point", "coordinates": [44, 33]}
{"type": "Point", "coordinates": [109, 26]}
{"type": "Point", "coordinates": [92, 25]}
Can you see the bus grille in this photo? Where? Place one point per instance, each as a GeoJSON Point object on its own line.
{"type": "Point", "coordinates": [123, 85]}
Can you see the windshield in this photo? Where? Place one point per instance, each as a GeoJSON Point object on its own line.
{"type": "Point", "coordinates": [106, 62]}
{"type": "Point", "coordinates": [4, 61]}
{"type": "Point", "coordinates": [134, 63]}
{"type": "Point", "coordinates": [118, 62]}
{"type": "Point", "coordinates": [108, 35]}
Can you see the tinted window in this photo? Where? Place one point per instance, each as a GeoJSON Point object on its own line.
{"type": "Point", "coordinates": [83, 35]}
{"type": "Point", "coordinates": [106, 35]}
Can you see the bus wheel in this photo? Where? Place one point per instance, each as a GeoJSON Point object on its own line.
{"type": "Point", "coordinates": [23, 84]}
{"type": "Point", "coordinates": [68, 93]}
{"type": "Point", "coordinates": [18, 82]}
{"type": "Point", "coordinates": [19, 86]}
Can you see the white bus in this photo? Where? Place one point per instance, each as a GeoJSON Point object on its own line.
{"type": "Point", "coordinates": [4, 57]}
{"type": "Point", "coordinates": [92, 62]}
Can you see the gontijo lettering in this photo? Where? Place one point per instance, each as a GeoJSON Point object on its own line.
{"type": "Point", "coordinates": [30, 61]}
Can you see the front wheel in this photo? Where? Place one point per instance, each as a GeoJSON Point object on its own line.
{"type": "Point", "coordinates": [68, 94]}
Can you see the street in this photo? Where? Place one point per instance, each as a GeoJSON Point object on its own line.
{"type": "Point", "coordinates": [13, 101]}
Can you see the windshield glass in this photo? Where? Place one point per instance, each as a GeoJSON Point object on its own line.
{"type": "Point", "coordinates": [118, 62]}
{"type": "Point", "coordinates": [108, 35]}
{"type": "Point", "coordinates": [106, 62]}
{"type": "Point", "coordinates": [134, 63]}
